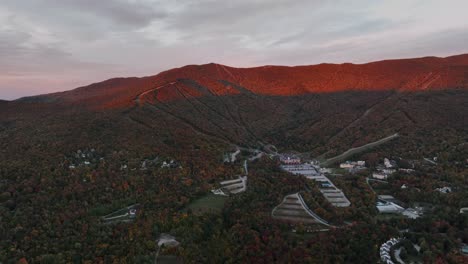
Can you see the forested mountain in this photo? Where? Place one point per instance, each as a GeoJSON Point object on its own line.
{"type": "Point", "coordinates": [51, 201]}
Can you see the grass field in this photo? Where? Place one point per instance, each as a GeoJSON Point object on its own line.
{"type": "Point", "coordinates": [208, 203]}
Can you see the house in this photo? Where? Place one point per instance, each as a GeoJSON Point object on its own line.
{"type": "Point", "coordinates": [464, 249]}
{"type": "Point", "coordinates": [379, 175]}
{"type": "Point", "coordinates": [132, 213]}
{"type": "Point", "coordinates": [387, 163]}
{"type": "Point", "coordinates": [444, 190]}
{"type": "Point", "coordinates": [464, 210]}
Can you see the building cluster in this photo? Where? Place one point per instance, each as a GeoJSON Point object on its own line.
{"type": "Point", "coordinates": [383, 171]}
{"type": "Point", "coordinates": [148, 163]}
{"type": "Point", "coordinates": [353, 166]}
{"type": "Point", "coordinates": [385, 250]}
{"type": "Point", "coordinates": [84, 158]}
{"type": "Point", "coordinates": [172, 164]}
{"type": "Point", "coordinates": [231, 157]}
{"type": "Point", "coordinates": [289, 159]}
{"type": "Point", "coordinates": [387, 204]}
{"type": "Point", "coordinates": [313, 171]}
{"type": "Point", "coordinates": [151, 164]}
{"type": "Point", "coordinates": [232, 186]}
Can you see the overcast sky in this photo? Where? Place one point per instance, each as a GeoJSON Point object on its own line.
{"type": "Point", "coordinates": [55, 45]}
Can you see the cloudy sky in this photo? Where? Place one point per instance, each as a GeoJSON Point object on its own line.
{"type": "Point", "coordinates": [55, 45]}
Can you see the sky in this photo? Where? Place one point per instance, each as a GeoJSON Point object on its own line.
{"type": "Point", "coordinates": [56, 45]}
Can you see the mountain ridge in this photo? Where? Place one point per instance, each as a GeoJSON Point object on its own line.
{"type": "Point", "coordinates": [212, 79]}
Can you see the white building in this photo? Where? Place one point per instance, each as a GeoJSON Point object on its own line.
{"type": "Point", "coordinates": [346, 165]}
{"type": "Point", "coordinates": [289, 159]}
{"type": "Point", "coordinates": [388, 164]}
{"type": "Point", "coordinates": [444, 190]}
{"type": "Point", "coordinates": [388, 207]}
{"type": "Point", "coordinates": [379, 175]}
{"type": "Point", "coordinates": [411, 213]}
{"type": "Point", "coordinates": [352, 164]}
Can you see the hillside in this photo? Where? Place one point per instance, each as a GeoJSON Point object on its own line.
{"type": "Point", "coordinates": [428, 73]}
{"type": "Point", "coordinates": [68, 160]}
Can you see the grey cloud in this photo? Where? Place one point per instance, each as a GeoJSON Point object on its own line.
{"type": "Point", "coordinates": [133, 14]}
{"type": "Point", "coordinates": [57, 44]}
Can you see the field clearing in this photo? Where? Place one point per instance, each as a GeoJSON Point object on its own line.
{"type": "Point", "coordinates": [208, 203]}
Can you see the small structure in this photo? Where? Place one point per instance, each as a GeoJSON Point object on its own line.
{"type": "Point", "coordinates": [126, 214]}
{"type": "Point", "coordinates": [464, 210]}
{"type": "Point", "coordinates": [167, 240]}
{"type": "Point", "coordinates": [232, 186]}
{"type": "Point", "coordinates": [289, 159]}
{"type": "Point", "coordinates": [406, 170]}
{"type": "Point", "coordinates": [379, 175]}
{"type": "Point", "coordinates": [412, 213]}
{"type": "Point", "coordinates": [219, 192]}
{"type": "Point", "coordinates": [444, 190]}
{"type": "Point", "coordinates": [231, 157]}
{"type": "Point", "coordinates": [386, 207]}
{"type": "Point", "coordinates": [464, 249]}
{"type": "Point", "coordinates": [389, 164]}
{"type": "Point", "coordinates": [132, 213]}
{"type": "Point", "coordinates": [352, 164]}
{"type": "Point", "coordinates": [171, 164]}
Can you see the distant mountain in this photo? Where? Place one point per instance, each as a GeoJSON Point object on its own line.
{"type": "Point", "coordinates": [428, 73]}
{"type": "Point", "coordinates": [323, 108]}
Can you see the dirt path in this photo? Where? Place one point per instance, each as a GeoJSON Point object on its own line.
{"type": "Point", "coordinates": [356, 150]}
{"type": "Point", "coordinates": [140, 96]}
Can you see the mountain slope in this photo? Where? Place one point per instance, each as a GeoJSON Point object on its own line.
{"type": "Point", "coordinates": [428, 73]}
